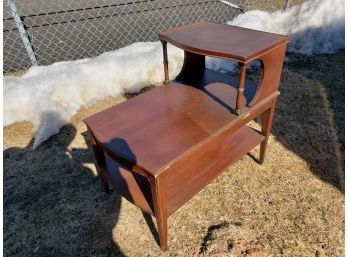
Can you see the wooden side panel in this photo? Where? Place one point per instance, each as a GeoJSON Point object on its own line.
{"type": "Point", "coordinates": [132, 186]}
{"type": "Point", "coordinates": [194, 65]}
{"type": "Point", "coordinates": [272, 66]}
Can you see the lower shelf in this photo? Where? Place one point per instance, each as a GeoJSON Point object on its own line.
{"type": "Point", "coordinates": [189, 175]}
{"type": "Point", "coordinates": [195, 171]}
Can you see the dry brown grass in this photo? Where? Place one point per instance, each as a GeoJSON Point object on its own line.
{"type": "Point", "coordinates": [269, 5]}
{"type": "Point", "coordinates": [290, 206]}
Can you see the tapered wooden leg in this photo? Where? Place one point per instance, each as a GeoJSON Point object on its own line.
{"type": "Point", "coordinates": [162, 225]}
{"type": "Point", "coordinates": [158, 191]}
{"type": "Point", "coordinates": [100, 159]}
{"type": "Point", "coordinates": [266, 124]}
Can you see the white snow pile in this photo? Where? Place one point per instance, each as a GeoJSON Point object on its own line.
{"type": "Point", "coordinates": [314, 27]}
{"type": "Point", "coordinates": [49, 96]}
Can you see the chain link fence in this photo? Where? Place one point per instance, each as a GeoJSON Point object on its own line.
{"type": "Point", "coordinates": [46, 31]}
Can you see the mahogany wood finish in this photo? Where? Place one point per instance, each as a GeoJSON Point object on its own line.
{"type": "Point", "coordinates": [165, 63]}
{"type": "Point", "coordinates": [162, 147]}
{"type": "Point", "coordinates": [240, 94]}
{"type": "Point", "coordinates": [225, 41]}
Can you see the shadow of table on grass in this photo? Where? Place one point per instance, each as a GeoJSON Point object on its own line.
{"type": "Point", "coordinates": [53, 206]}
{"type": "Point", "coordinates": [309, 117]}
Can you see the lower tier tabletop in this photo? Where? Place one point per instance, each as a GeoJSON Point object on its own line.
{"type": "Point", "coordinates": [156, 127]}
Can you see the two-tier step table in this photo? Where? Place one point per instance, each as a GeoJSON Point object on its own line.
{"type": "Point", "coordinates": [162, 147]}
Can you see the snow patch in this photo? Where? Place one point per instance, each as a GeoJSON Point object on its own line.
{"type": "Point", "coordinates": [315, 27]}
{"type": "Point", "coordinates": [49, 96]}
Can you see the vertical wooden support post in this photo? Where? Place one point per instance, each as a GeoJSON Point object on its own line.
{"type": "Point", "coordinates": [159, 198]}
{"type": "Point", "coordinates": [267, 118]}
{"type": "Point", "coordinates": [240, 92]}
{"type": "Point", "coordinates": [165, 62]}
{"type": "Point", "coordinates": [100, 159]}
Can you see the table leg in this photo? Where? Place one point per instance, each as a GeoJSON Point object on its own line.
{"type": "Point", "coordinates": [165, 63]}
{"type": "Point", "coordinates": [100, 159]}
{"type": "Point", "coordinates": [160, 205]}
{"type": "Point", "coordinates": [267, 118]}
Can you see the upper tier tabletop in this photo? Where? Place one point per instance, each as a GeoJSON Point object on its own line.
{"type": "Point", "coordinates": [220, 40]}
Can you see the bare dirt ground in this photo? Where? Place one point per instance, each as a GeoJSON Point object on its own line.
{"type": "Point", "coordinates": [292, 205]}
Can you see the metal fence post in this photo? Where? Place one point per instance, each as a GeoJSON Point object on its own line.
{"type": "Point", "coordinates": [22, 32]}
{"type": "Point", "coordinates": [287, 4]}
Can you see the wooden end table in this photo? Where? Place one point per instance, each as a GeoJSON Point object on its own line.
{"type": "Point", "coordinates": [162, 147]}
